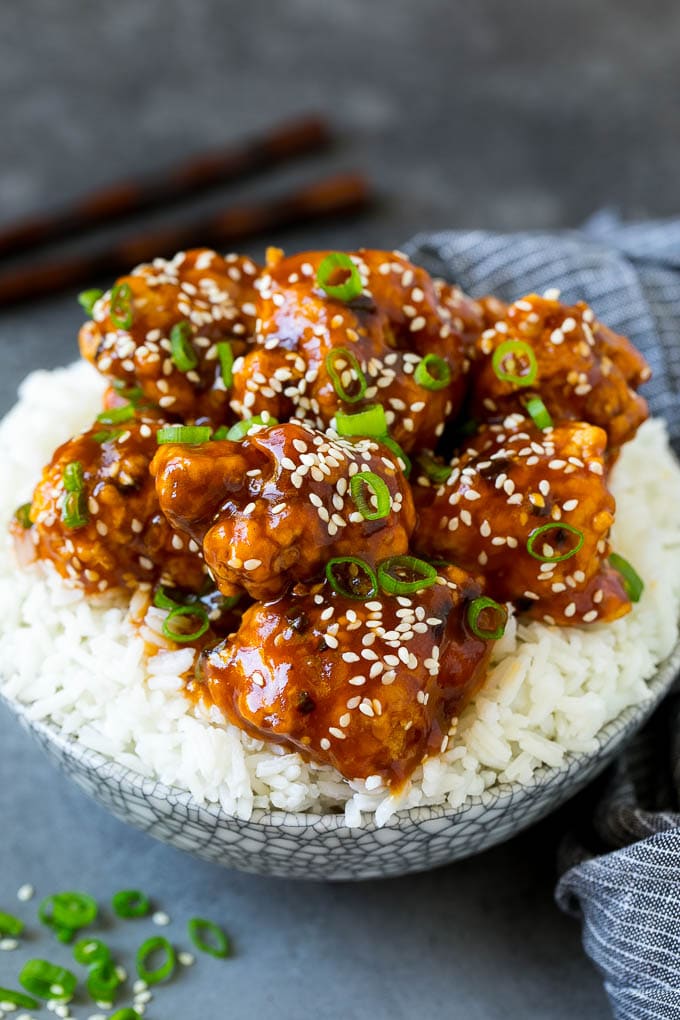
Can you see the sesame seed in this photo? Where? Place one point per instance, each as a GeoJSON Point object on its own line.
{"type": "Point", "coordinates": [252, 564]}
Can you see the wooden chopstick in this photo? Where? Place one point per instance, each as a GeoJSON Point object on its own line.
{"type": "Point", "coordinates": [342, 193]}
{"type": "Point", "coordinates": [234, 162]}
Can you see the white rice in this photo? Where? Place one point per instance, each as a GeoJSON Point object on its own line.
{"type": "Point", "coordinates": [549, 692]}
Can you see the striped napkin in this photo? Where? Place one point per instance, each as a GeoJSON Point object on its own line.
{"type": "Point", "coordinates": [626, 886]}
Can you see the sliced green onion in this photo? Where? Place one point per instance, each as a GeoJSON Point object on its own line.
{"type": "Point", "coordinates": [379, 503]}
{"type": "Point", "coordinates": [133, 394]}
{"type": "Point", "coordinates": [73, 476]}
{"type": "Point", "coordinates": [201, 930]}
{"type": "Point", "coordinates": [558, 526]}
{"type": "Point", "coordinates": [393, 574]}
{"type": "Point", "coordinates": [337, 263]}
{"type": "Point", "coordinates": [74, 512]}
{"type": "Point", "coordinates": [103, 981]}
{"type": "Point", "coordinates": [182, 353]}
{"type": "Point", "coordinates": [514, 350]}
{"type": "Point", "coordinates": [178, 636]}
{"type": "Point", "coordinates": [10, 925]}
{"type": "Point", "coordinates": [91, 951]}
{"type": "Point", "coordinates": [121, 311]}
{"type": "Point", "coordinates": [396, 449]}
{"type": "Point", "coordinates": [127, 1013]}
{"type": "Point", "coordinates": [116, 415]}
{"type": "Point", "coordinates": [485, 605]}
{"type": "Point", "coordinates": [226, 356]}
{"type": "Point", "coordinates": [352, 577]}
{"type": "Point", "coordinates": [132, 902]}
{"type": "Point", "coordinates": [87, 299]}
{"type": "Point", "coordinates": [108, 435]}
{"type": "Point", "coordinates": [192, 435]}
{"type": "Point", "coordinates": [432, 372]}
{"type": "Point", "coordinates": [539, 413]}
{"type": "Point", "coordinates": [18, 999]}
{"type": "Point", "coordinates": [370, 421]}
{"type": "Point", "coordinates": [23, 515]}
{"type": "Point", "coordinates": [73, 909]}
{"type": "Point", "coordinates": [146, 950]}
{"type": "Point", "coordinates": [241, 429]}
{"type": "Point", "coordinates": [632, 581]}
{"type": "Point", "coordinates": [48, 981]}
{"type": "Point", "coordinates": [339, 362]}
{"type": "Point", "coordinates": [433, 469]}
{"type": "Point", "coordinates": [221, 433]}
{"type": "Point", "coordinates": [162, 601]}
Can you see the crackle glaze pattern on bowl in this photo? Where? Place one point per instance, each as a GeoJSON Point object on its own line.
{"type": "Point", "coordinates": [312, 846]}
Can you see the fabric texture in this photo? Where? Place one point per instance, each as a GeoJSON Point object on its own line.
{"type": "Point", "coordinates": [621, 873]}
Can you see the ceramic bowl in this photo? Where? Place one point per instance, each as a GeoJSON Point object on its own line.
{"type": "Point", "coordinates": [314, 846]}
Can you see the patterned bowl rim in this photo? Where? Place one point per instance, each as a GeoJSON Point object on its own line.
{"type": "Point", "coordinates": [494, 797]}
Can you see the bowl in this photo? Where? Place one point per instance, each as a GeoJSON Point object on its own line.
{"type": "Point", "coordinates": [315, 846]}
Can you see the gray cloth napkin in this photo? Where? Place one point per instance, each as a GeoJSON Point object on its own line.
{"type": "Point", "coordinates": [626, 885]}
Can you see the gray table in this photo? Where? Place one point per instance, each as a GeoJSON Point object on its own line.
{"type": "Point", "coordinates": [485, 114]}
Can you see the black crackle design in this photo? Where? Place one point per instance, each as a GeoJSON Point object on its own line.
{"type": "Point", "coordinates": [321, 846]}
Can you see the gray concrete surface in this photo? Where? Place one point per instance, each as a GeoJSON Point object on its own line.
{"type": "Point", "coordinates": [491, 113]}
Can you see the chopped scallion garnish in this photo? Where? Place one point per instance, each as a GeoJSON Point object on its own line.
{"type": "Point", "coordinates": [370, 421]}
{"type": "Point", "coordinates": [181, 637]}
{"type": "Point", "coordinates": [352, 577]}
{"type": "Point", "coordinates": [201, 930]}
{"type": "Point", "coordinates": [515, 362]}
{"type": "Point", "coordinates": [378, 503]}
{"type": "Point", "coordinates": [127, 1013]}
{"type": "Point", "coordinates": [103, 981]}
{"type": "Point", "coordinates": [116, 415]}
{"type": "Point", "coordinates": [23, 515]}
{"type": "Point", "coordinates": [10, 926]}
{"type": "Point", "coordinates": [132, 902]}
{"type": "Point", "coordinates": [345, 371]}
{"type": "Point", "coordinates": [183, 355]}
{"type": "Point", "coordinates": [108, 435]}
{"type": "Point", "coordinates": [241, 429]}
{"type": "Point", "coordinates": [73, 476]}
{"type": "Point", "coordinates": [399, 575]}
{"type": "Point", "coordinates": [157, 944]}
{"type": "Point", "coordinates": [560, 529]}
{"type": "Point", "coordinates": [18, 999]}
{"type": "Point", "coordinates": [48, 981]}
{"type": "Point", "coordinates": [433, 469]}
{"type": "Point", "coordinates": [539, 413]}
{"type": "Point", "coordinates": [339, 267]}
{"type": "Point", "coordinates": [192, 435]}
{"type": "Point", "coordinates": [632, 581]}
{"type": "Point", "coordinates": [121, 311]}
{"type": "Point", "coordinates": [87, 299]}
{"type": "Point", "coordinates": [74, 512]}
{"type": "Point", "coordinates": [488, 607]}
{"type": "Point", "coordinates": [226, 356]}
{"type": "Point", "coordinates": [91, 951]}
{"type": "Point", "coordinates": [396, 449]}
{"type": "Point", "coordinates": [432, 372]}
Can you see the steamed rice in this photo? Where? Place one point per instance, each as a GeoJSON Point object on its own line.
{"type": "Point", "coordinates": [550, 689]}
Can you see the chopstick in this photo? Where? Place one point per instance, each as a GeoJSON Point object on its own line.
{"type": "Point", "coordinates": [332, 196]}
{"type": "Point", "coordinates": [236, 161]}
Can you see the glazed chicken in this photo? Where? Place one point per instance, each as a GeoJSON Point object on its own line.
{"type": "Point", "coordinates": [394, 342]}
{"type": "Point", "coordinates": [581, 369]}
{"type": "Point", "coordinates": [96, 517]}
{"type": "Point", "coordinates": [270, 511]}
{"type": "Point", "coordinates": [368, 686]}
{"type": "Point", "coordinates": [530, 508]}
{"type": "Point", "coordinates": [159, 328]}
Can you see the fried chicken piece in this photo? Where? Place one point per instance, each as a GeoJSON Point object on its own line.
{"type": "Point", "coordinates": [376, 343]}
{"type": "Point", "coordinates": [510, 482]}
{"type": "Point", "coordinates": [206, 298]}
{"type": "Point", "coordinates": [581, 369]}
{"type": "Point", "coordinates": [118, 536]}
{"type": "Point", "coordinates": [273, 509]}
{"type": "Point", "coordinates": [368, 687]}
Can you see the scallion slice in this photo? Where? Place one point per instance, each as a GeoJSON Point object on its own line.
{"type": "Point", "coordinates": [132, 902]}
{"type": "Point", "coordinates": [396, 449]}
{"type": "Point", "coordinates": [103, 981]}
{"type": "Point", "coordinates": [432, 372]}
{"type": "Point", "coordinates": [226, 356]}
{"type": "Point", "coordinates": [221, 433]}
{"type": "Point", "coordinates": [180, 637]}
{"type": "Point", "coordinates": [559, 527]}
{"type": "Point", "coordinates": [190, 435]}
{"type": "Point", "coordinates": [108, 435]}
{"type": "Point", "coordinates": [632, 581]}
{"type": "Point", "coordinates": [352, 577]}
{"type": "Point", "coordinates": [87, 299]}
{"type": "Point", "coordinates": [209, 937]}
{"type": "Point", "coordinates": [182, 353]}
{"type": "Point", "coordinates": [73, 909]}
{"type": "Point", "coordinates": [127, 1013]}
{"type": "Point", "coordinates": [74, 512]}
{"type": "Point", "coordinates": [91, 951]}
{"type": "Point", "coordinates": [157, 944]}
{"type": "Point", "coordinates": [515, 354]}
{"type": "Point", "coordinates": [339, 265]}
{"type": "Point", "coordinates": [73, 476]}
{"type": "Point", "coordinates": [121, 312]}
{"type": "Point", "coordinates": [48, 981]}
{"type": "Point", "coordinates": [433, 469]}
{"type": "Point", "coordinates": [345, 370]}
{"type": "Point", "coordinates": [539, 413]}
{"type": "Point", "coordinates": [18, 999]}
{"type": "Point", "coordinates": [486, 605]}
{"type": "Point", "coordinates": [370, 421]}
{"type": "Point", "coordinates": [10, 926]}
{"type": "Point", "coordinates": [378, 503]}
{"type": "Point", "coordinates": [23, 515]}
{"type": "Point", "coordinates": [133, 394]}
{"type": "Point", "coordinates": [400, 575]}
{"type": "Point", "coordinates": [116, 415]}
{"type": "Point", "coordinates": [241, 429]}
